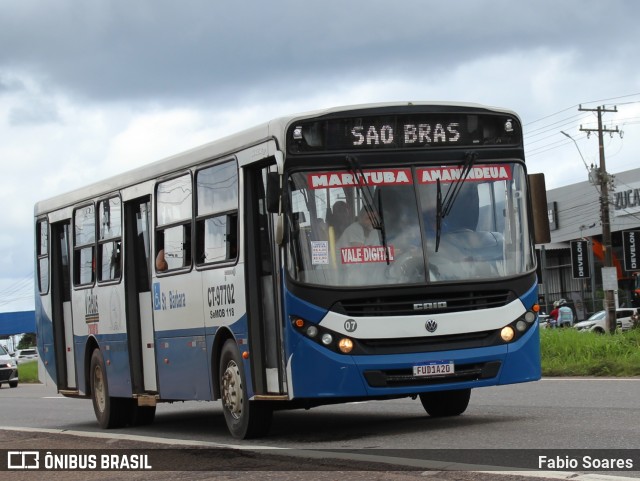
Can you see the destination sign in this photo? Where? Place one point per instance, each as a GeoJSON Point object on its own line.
{"type": "Point", "coordinates": [426, 175]}
{"type": "Point", "coordinates": [403, 132]}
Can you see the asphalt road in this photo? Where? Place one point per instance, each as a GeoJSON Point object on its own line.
{"type": "Point", "coordinates": [553, 415]}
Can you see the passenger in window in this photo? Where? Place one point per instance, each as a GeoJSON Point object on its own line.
{"type": "Point", "coordinates": [356, 270]}
{"type": "Point", "coordinates": [340, 217]}
{"type": "Point", "coordinates": [358, 232]}
{"type": "Point", "coordinates": [161, 262]}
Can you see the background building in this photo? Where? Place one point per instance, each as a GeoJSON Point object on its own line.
{"type": "Point", "coordinates": [574, 214]}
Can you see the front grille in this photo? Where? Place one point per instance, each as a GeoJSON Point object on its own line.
{"type": "Point", "coordinates": [434, 303]}
{"type": "Point", "coordinates": [6, 374]}
{"type": "Point", "coordinates": [429, 344]}
{"type": "Point", "coordinates": [405, 377]}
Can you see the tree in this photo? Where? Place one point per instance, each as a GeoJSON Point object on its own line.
{"type": "Point", "coordinates": [27, 340]}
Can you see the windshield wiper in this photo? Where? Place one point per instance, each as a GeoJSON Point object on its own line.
{"type": "Point", "coordinates": [383, 232]}
{"type": "Point", "coordinates": [443, 208]}
{"type": "Point", "coordinates": [454, 189]}
{"type": "Point", "coordinates": [375, 215]}
{"type": "Point", "coordinates": [365, 190]}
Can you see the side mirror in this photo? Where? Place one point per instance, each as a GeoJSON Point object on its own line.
{"type": "Point", "coordinates": [538, 190]}
{"type": "Point", "coordinates": [274, 193]}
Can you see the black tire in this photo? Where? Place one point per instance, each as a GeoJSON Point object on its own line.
{"type": "Point", "coordinates": [111, 412]}
{"type": "Point", "coordinates": [445, 403]}
{"type": "Point", "coordinates": [245, 419]}
{"type": "Point", "coordinates": [13, 384]}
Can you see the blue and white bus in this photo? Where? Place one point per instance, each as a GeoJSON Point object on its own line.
{"type": "Point", "coordinates": [368, 252]}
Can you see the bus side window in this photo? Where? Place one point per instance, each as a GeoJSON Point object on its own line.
{"type": "Point", "coordinates": [84, 264]}
{"type": "Point", "coordinates": [110, 240]}
{"type": "Point", "coordinates": [42, 243]}
{"type": "Point", "coordinates": [217, 213]}
{"type": "Point", "coordinates": [174, 245]}
{"type": "Point", "coordinates": [173, 217]}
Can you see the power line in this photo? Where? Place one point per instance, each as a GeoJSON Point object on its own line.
{"type": "Point", "coordinates": [583, 103]}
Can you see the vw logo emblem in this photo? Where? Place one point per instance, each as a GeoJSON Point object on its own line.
{"type": "Point", "coordinates": [431, 325]}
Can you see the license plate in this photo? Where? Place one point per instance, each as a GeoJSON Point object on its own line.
{"type": "Point", "coordinates": [436, 368]}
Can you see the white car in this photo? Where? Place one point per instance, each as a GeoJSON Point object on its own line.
{"type": "Point", "coordinates": [22, 355]}
{"type": "Point", "coordinates": [597, 322]}
{"type": "Point", "coordinates": [8, 369]}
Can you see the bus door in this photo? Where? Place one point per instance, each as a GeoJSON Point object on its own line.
{"type": "Point", "coordinates": [263, 303]}
{"type": "Point", "coordinates": [138, 295]}
{"type": "Point", "coordinates": [62, 315]}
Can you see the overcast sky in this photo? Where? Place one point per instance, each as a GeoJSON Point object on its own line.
{"type": "Point", "coordinates": [89, 89]}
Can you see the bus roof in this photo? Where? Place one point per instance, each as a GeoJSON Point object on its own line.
{"type": "Point", "coordinates": [274, 129]}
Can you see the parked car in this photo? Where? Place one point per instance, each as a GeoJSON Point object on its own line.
{"type": "Point", "coordinates": [22, 355]}
{"type": "Point", "coordinates": [8, 368]}
{"type": "Point", "coordinates": [625, 317]}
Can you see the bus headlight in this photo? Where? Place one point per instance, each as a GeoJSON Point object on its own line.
{"type": "Point", "coordinates": [345, 345]}
{"type": "Point", "coordinates": [529, 316]}
{"type": "Point", "coordinates": [507, 334]}
{"type": "Point", "coordinates": [327, 339]}
{"type": "Point", "coordinates": [521, 326]}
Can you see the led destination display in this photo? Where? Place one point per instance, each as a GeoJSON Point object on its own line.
{"type": "Point", "coordinates": [403, 132]}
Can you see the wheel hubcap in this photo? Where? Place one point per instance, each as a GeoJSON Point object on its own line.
{"type": "Point", "coordinates": [232, 390]}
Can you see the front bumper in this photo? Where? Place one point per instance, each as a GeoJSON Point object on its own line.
{"type": "Point", "coordinates": [318, 372]}
{"type": "Point", "coordinates": [8, 374]}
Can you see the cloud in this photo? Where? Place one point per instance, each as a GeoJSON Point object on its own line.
{"type": "Point", "coordinates": [34, 113]}
{"type": "Point", "coordinates": [159, 49]}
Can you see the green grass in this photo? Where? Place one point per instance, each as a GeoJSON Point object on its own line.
{"type": "Point", "coordinates": [28, 371]}
{"type": "Point", "coordinates": [568, 352]}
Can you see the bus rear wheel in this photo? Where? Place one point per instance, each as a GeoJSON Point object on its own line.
{"type": "Point", "coordinates": [111, 412]}
{"type": "Point", "coordinates": [445, 403]}
{"type": "Point", "coordinates": [245, 419]}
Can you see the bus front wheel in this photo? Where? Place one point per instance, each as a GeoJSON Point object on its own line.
{"type": "Point", "coordinates": [111, 412]}
{"type": "Point", "coordinates": [245, 419]}
{"type": "Point", "coordinates": [445, 403]}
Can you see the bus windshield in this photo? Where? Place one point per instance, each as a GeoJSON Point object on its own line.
{"type": "Point", "coordinates": [363, 226]}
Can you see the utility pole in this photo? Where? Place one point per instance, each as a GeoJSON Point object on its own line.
{"type": "Point", "coordinates": [603, 179]}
